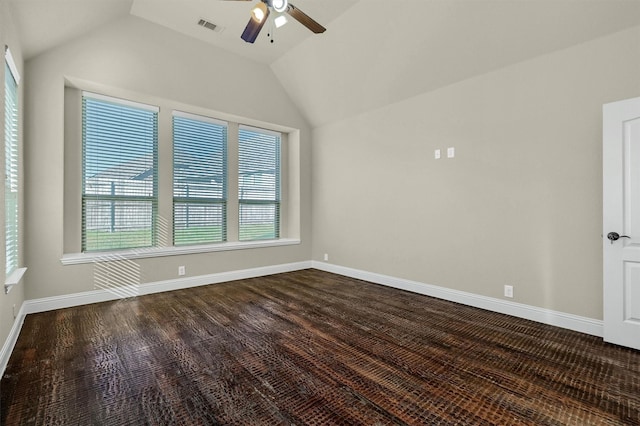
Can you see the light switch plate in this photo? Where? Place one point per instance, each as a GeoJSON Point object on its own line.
{"type": "Point", "coordinates": [436, 154]}
{"type": "Point", "coordinates": [451, 152]}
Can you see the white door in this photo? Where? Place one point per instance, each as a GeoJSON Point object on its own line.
{"type": "Point", "coordinates": [621, 222]}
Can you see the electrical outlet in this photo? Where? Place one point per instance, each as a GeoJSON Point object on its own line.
{"type": "Point", "coordinates": [508, 291]}
{"type": "Point", "coordinates": [181, 270]}
{"type": "Point", "coordinates": [326, 257]}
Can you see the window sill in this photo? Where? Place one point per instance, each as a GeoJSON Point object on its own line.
{"type": "Point", "coordinates": [80, 258]}
{"type": "Point", "coordinates": [13, 279]}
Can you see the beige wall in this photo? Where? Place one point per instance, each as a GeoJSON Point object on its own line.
{"type": "Point", "coordinates": [9, 37]}
{"type": "Point", "coordinates": [520, 204]}
{"type": "Point", "coordinates": [132, 56]}
{"type": "Point", "coordinates": [372, 56]}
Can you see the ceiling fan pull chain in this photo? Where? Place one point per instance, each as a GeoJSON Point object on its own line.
{"type": "Point", "coordinates": [260, 14]}
{"type": "Point", "coordinates": [271, 31]}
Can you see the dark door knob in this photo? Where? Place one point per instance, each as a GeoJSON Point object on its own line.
{"type": "Point", "coordinates": [614, 236]}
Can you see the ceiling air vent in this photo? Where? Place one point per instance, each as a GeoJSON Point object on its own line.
{"type": "Point", "coordinates": [209, 25]}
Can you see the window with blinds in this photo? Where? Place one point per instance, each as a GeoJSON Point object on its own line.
{"type": "Point", "coordinates": [258, 184]}
{"type": "Point", "coordinates": [119, 173]}
{"type": "Point", "coordinates": [11, 81]}
{"type": "Point", "coordinates": [199, 180]}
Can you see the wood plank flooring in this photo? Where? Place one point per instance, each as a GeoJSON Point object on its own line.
{"type": "Point", "coordinates": [309, 348]}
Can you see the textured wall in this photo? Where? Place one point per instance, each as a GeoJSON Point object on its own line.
{"type": "Point", "coordinates": [9, 37]}
{"type": "Point", "coordinates": [134, 56]}
{"type": "Point", "coordinates": [521, 204]}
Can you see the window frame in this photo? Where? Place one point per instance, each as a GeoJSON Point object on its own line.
{"type": "Point", "coordinates": [277, 199]}
{"type": "Point", "coordinates": [290, 179]}
{"type": "Point", "coordinates": [201, 201]}
{"type": "Point", "coordinates": [114, 198]}
{"type": "Point", "coordinates": [12, 165]}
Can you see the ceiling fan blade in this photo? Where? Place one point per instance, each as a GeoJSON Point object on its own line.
{"type": "Point", "coordinates": [304, 19]}
{"type": "Point", "coordinates": [254, 26]}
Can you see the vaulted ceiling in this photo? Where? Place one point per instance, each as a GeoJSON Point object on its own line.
{"type": "Point", "coordinates": [46, 23]}
{"type": "Point", "coordinates": [373, 53]}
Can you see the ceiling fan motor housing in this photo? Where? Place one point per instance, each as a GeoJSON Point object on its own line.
{"type": "Point", "coordinates": [261, 13]}
{"type": "Point", "coordinates": [279, 5]}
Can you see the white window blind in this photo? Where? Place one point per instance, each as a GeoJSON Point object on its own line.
{"type": "Point", "coordinates": [11, 162]}
{"type": "Point", "coordinates": [199, 180]}
{"type": "Point", "coordinates": [258, 184]}
{"type": "Point", "coordinates": [119, 177]}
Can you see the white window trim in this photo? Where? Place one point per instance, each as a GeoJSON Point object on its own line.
{"type": "Point", "coordinates": [16, 274]}
{"type": "Point", "coordinates": [120, 101]}
{"type": "Point", "coordinates": [14, 279]}
{"type": "Point", "coordinates": [141, 106]}
{"type": "Point", "coordinates": [143, 253]}
{"type": "Point", "coordinates": [259, 130]}
{"type": "Point", "coordinates": [198, 117]}
{"type": "Point", "coordinates": [12, 65]}
{"type": "Point", "coordinates": [184, 199]}
{"type": "Point", "coordinates": [170, 107]}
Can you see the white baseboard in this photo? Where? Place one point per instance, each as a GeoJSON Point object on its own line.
{"type": "Point", "coordinates": [545, 316]}
{"type": "Point", "coordinates": [11, 340]}
{"type": "Point", "coordinates": [96, 296]}
{"type": "Point", "coordinates": [542, 315]}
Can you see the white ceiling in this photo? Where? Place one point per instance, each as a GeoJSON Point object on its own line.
{"type": "Point", "coordinates": [373, 56]}
{"type": "Point", "coordinates": [374, 52]}
{"type": "Point", "coordinates": [46, 23]}
{"type": "Point", "coordinates": [232, 16]}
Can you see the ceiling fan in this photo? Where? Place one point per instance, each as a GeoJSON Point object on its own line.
{"type": "Point", "coordinates": [261, 11]}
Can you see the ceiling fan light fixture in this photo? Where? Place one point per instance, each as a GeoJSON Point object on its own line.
{"type": "Point", "coordinates": [279, 5]}
{"type": "Point", "coordinates": [280, 21]}
{"type": "Point", "coordinates": [259, 12]}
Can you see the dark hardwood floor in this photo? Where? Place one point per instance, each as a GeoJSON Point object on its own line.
{"type": "Point", "coordinates": [309, 348]}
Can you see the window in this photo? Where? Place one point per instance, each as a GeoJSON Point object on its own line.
{"type": "Point", "coordinates": [11, 80]}
{"type": "Point", "coordinates": [258, 184]}
{"type": "Point", "coordinates": [119, 173]}
{"type": "Point", "coordinates": [199, 180]}
{"type": "Point", "coordinates": [147, 180]}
